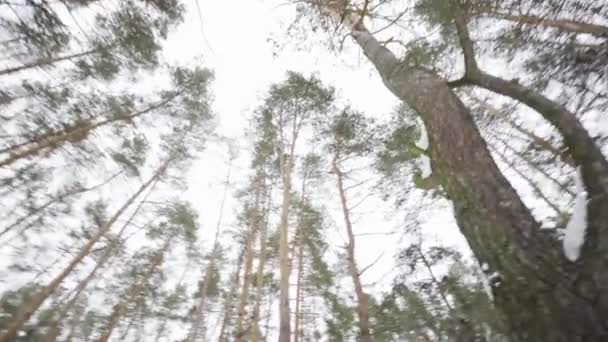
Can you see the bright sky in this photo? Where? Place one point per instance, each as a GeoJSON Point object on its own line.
{"type": "Point", "coordinates": [237, 45]}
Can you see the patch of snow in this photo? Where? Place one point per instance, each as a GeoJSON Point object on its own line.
{"type": "Point", "coordinates": [21, 333]}
{"type": "Point", "coordinates": [574, 235]}
{"type": "Point", "coordinates": [423, 141]}
{"type": "Point", "coordinates": [424, 163]}
{"type": "Point", "coordinates": [487, 288]}
{"type": "Point", "coordinates": [485, 267]}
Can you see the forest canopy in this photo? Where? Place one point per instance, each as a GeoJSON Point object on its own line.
{"type": "Point", "coordinates": [310, 170]}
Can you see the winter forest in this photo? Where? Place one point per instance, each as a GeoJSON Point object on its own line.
{"type": "Point", "coordinates": [304, 170]}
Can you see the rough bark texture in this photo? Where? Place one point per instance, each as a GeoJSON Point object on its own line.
{"type": "Point", "coordinates": [29, 308]}
{"type": "Point", "coordinates": [534, 291]}
{"type": "Point", "coordinates": [588, 276]}
{"type": "Point", "coordinates": [353, 270]}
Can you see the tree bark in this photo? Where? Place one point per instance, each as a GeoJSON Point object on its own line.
{"type": "Point", "coordinates": [585, 153]}
{"type": "Point", "coordinates": [353, 270]}
{"type": "Point", "coordinates": [535, 294]}
{"type": "Point", "coordinates": [29, 308]}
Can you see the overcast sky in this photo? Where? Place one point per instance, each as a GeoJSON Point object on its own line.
{"type": "Point", "coordinates": [236, 41]}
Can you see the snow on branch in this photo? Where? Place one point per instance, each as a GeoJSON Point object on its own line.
{"type": "Point", "coordinates": [574, 235]}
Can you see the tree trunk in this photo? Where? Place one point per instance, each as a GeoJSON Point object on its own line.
{"type": "Point", "coordinates": [48, 61]}
{"type": "Point", "coordinates": [562, 25]}
{"type": "Point", "coordinates": [240, 332]}
{"type": "Point", "coordinates": [72, 134]}
{"type": "Point", "coordinates": [120, 309]}
{"type": "Point", "coordinates": [589, 273]}
{"type": "Point", "coordinates": [230, 298]}
{"type": "Point", "coordinates": [53, 200]}
{"type": "Point", "coordinates": [296, 329]}
{"type": "Point", "coordinates": [107, 255]}
{"type": "Point", "coordinates": [284, 312]}
{"type": "Point", "coordinates": [534, 292]}
{"type": "Point", "coordinates": [200, 309]}
{"type": "Point", "coordinates": [362, 299]}
{"type": "Point", "coordinates": [260, 271]}
{"type": "Point", "coordinates": [29, 308]}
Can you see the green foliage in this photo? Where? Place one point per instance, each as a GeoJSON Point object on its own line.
{"type": "Point", "coordinates": [180, 219]}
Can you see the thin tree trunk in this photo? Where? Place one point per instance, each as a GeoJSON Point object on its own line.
{"type": "Point", "coordinates": [240, 332]}
{"type": "Point", "coordinates": [562, 187]}
{"type": "Point", "coordinates": [466, 331]}
{"type": "Point", "coordinates": [542, 143]}
{"type": "Point", "coordinates": [200, 310]}
{"type": "Point", "coordinates": [48, 61]}
{"type": "Point", "coordinates": [120, 309]}
{"type": "Point", "coordinates": [72, 134]}
{"type": "Point", "coordinates": [537, 190]}
{"type": "Point", "coordinates": [362, 299]}
{"type": "Point", "coordinates": [261, 264]}
{"type": "Point", "coordinates": [54, 200]}
{"type": "Point", "coordinates": [230, 298]}
{"type": "Point", "coordinates": [296, 329]}
{"type": "Point", "coordinates": [284, 312]}
{"type": "Point", "coordinates": [562, 25]}
{"type": "Point", "coordinates": [29, 308]}
{"type": "Point", "coordinates": [107, 256]}
{"type": "Point", "coordinates": [534, 294]}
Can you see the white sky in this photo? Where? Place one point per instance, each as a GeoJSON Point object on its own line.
{"type": "Point", "coordinates": [236, 46]}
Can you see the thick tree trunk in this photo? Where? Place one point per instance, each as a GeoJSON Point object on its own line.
{"type": "Point", "coordinates": [591, 269]}
{"type": "Point", "coordinates": [120, 309]}
{"type": "Point", "coordinates": [353, 270]}
{"type": "Point", "coordinates": [534, 292]}
{"type": "Point", "coordinates": [29, 308]}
